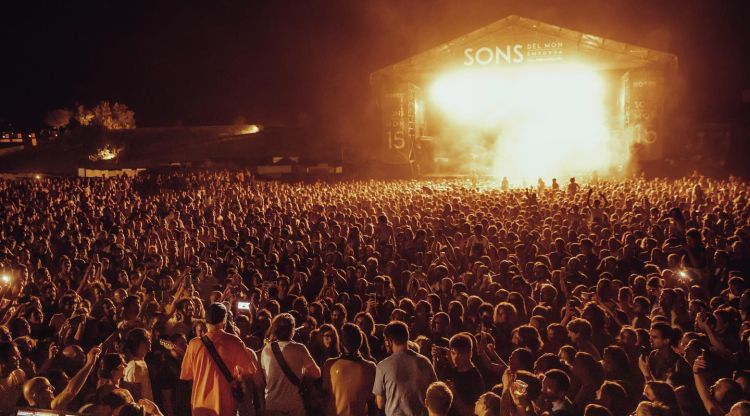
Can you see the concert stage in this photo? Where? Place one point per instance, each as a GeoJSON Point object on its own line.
{"type": "Point", "coordinates": [522, 98]}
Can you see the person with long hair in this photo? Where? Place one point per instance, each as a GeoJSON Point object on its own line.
{"type": "Point", "coordinates": [349, 377]}
{"type": "Point", "coordinates": [527, 336]}
{"type": "Point", "coordinates": [662, 392]}
{"type": "Point", "coordinates": [366, 323]}
{"type": "Point", "coordinates": [619, 369]}
{"type": "Point", "coordinates": [505, 320]}
{"type": "Point", "coordinates": [588, 375]}
{"type": "Point", "coordinates": [110, 371]}
{"type": "Point", "coordinates": [324, 344]}
{"type": "Point", "coordinates": [614, 397]}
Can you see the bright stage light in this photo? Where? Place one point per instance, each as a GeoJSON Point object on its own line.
{"type": "Point", "coordinates": [546, 121]}
{"type": "Point", "coordinates": [250, 129]}
{"type": "Point", "coordinates": [107, 152]}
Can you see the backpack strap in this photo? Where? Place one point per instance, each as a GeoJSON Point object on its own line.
{"type": "Point", "coordinates": [217, 359]}
{"type": "Point", "coordinates": [283, 364]}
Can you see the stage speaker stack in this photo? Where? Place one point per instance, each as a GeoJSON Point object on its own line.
{"type": "Point", "coordinates": [642, 103]}
{"type": "Point", "coordinates": [403, 122]}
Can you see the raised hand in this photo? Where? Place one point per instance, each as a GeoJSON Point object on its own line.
{"type": "Point", "coordinates": [150, 407]}
{"type": "Point", "coordinates": [52, 350]}
{"type": "Point", "coordinates": [643, 366]}
{"type": "Point", "coordinates": [93, 354]}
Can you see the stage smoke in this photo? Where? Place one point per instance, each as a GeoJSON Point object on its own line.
{"type": "Point", "coordinates": [550, 121]}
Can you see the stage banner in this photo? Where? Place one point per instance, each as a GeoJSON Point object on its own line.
{"type": "Point", "coordinates": [516, 46]}
{"type": "Point", "coordinates": [642, 92]}
{"type": "Point", "coordinates": [403, 123]}
{"type": "Point", "coordinates": [514, 53]}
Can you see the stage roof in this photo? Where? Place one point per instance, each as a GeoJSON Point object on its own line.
{"type": "Point", "coordinates": [516, 40]}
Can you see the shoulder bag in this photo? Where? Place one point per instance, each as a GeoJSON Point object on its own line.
{"type": "Point", "coordinates": [238, 392]}
{"type": "Point", "coordinates": [305, 391]}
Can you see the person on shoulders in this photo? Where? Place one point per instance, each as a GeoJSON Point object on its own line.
{"type": "Point", "coordinates": [573, 187]}
{"type": "Point", "coordinates": [477, 245]}
{"type": "Point", "coordinates": [555, 185]}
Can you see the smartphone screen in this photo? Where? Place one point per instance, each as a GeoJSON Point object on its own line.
{"type": "Point", "coordinates": [243, 306]}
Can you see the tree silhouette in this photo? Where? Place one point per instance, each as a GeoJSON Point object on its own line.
{"type": "Point", "coordinates": [115, 116]}
{"type": "Point", "coordinates": [58, 118]}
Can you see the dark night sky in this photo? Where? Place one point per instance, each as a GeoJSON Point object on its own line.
{"type": "Point", "coordinates": [210, 62]}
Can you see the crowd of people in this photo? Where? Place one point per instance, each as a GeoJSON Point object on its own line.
{"type": "Point", "coordinates": [212, 293]}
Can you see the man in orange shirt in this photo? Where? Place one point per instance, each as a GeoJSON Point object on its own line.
{"type": "Point", "coordinates": [212, 394]}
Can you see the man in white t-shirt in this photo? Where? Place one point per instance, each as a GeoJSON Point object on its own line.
{"type": "Point", "coordinates": [282, 396]}
{"type": "Point", "coordinates": [137, 345]}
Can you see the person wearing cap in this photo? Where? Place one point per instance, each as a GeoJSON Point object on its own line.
{"type": "Point", "coordinates": [211, 393]}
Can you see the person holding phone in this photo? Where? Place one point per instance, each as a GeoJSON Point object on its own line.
{"type": "Point", "coordinates": [39, 392]}
{"type": "Point", "coordinates": [663, 362]}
